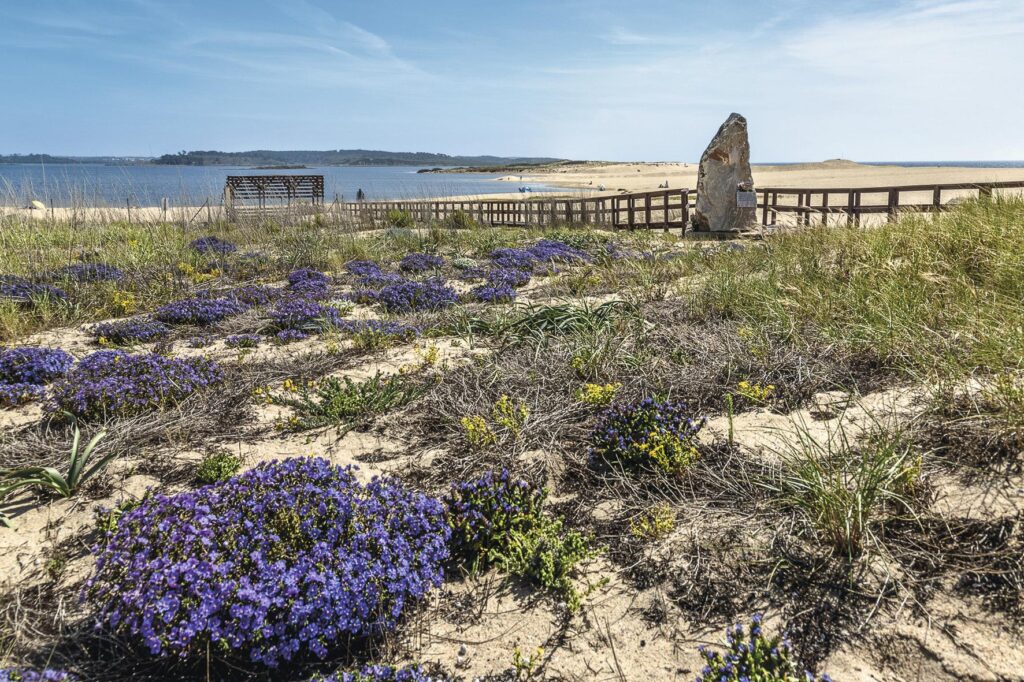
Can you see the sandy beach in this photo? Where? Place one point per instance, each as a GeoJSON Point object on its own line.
{"type": "Point", "coordinates": [642, 177]}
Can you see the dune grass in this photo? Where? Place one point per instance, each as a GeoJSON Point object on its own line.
{"type": "Point", "coordinates": [925, 296]}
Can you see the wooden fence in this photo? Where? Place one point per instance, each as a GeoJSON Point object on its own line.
{"type": "Point", "coordinates": [664, 208]}
{"type": "Point", "coordinates": [820, 204]}
{"type": "Point", "coordinates": [671, 208]}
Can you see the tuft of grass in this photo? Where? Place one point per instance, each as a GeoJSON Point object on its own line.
{"type": "Point", "coordinates": [845, 488]}
{"type": "Point", "coordinates": [344, 402]}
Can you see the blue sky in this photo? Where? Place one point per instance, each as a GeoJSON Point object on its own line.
{"type": "Point", "coordinates": [627, 80]}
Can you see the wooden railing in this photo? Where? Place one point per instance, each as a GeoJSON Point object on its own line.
{"type": "Point", "coordinates": [671, 208]}
{"type": "Point", "coordinates": [825, 202]}
{"type": "Point", "coordinates": [664, 208]}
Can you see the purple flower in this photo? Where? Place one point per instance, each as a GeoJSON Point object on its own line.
{"type": "Point", "coordinates": [201, 310]}
{"type": "Point", "coordinates": [213, 245]}
{"type": "Point", "coordinates": [23, 291]}
{"type": "Point", "coordinates": [420, 262]}
{"type": "Point", "coordinates": [90, 272]}
{"type": "Point", "coordinates": [33, 365]}
{"type": "Point", "coordinates": [381, 673]}
{"type": "Point", "coordinates": [28, 675]}
{"type": "Point", "coordinates": [129, 332]}
{"type": "Point", "coordinates": [430, 294]}
{"type": "Point", "coordinates": [113, 383]}
{"type": "Point", "coordinates": [362, 268]}
{"type": "Point", "coordinates": [242, 341]}
{"type": "Point", "coordinates": [283, 561]}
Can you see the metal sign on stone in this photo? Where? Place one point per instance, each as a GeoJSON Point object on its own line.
{"type": "Point", "coordinates": [746, 199]}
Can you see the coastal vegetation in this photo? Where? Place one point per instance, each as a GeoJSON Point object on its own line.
{"type": "Point", "coordinates": [398, 451]}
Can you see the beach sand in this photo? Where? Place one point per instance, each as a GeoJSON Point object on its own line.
{"type": "Point", "coordinates": [643, 177]}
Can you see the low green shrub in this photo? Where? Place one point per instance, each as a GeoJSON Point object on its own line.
{"type": "Point", "coordinates": [497, 520]}
{"type": "Point", "coordinates": [216, 467]}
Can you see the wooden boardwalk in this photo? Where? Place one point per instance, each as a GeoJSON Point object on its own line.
{"type": "Point", "coordinates": [671, 208]}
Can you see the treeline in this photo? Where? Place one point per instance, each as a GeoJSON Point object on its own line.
{"type": "Point", "coordinates": [47, 158]}
{"type": "Point", "coordinates": [335, 157]}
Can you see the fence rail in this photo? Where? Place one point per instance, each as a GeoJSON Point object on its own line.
{"type": "Point", "coordinates": [671, 208]}
{"type": "Point", "coordinates": [777, 201]}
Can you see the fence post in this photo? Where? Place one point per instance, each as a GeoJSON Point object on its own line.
{"type": "Point", "coordinates": [894, 204]}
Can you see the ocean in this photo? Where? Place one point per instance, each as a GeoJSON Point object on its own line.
{"type": "Point", "coordinates": [109, 185]}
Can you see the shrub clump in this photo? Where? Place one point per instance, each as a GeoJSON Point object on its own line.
{"type": "Point", "coordinates": [112, 383]}
{"type": "Point", "coordinates": [753, 657]}
{"type": "Point", "coordinates": [26, 675]}
{"type": "Point", "coordinates": [242, 341]}
{"type": "Point", "coordinates": [497, 520]}
{"type": "Point", "coordinates": [304, 315]}
{"type": "Point", "coordinates": [649, 434]}
{"type": "Point", "coordinates": [33, 365]}
{"type": "Point", "coordinates": [212, 245]}
{"type": "Point", "coordinates": [371, 334]}
{"type": "Point", "coordinates": [309, 282]}
{"type": "Point", "coordinates": [431, 294]}
{"type": "Point", "coordinates": [284, 560]}
{"type": "Point", "coordinates": [21, 290]}
{"type": "Point", "coordinates": [25, 371]}
{"type": "Point", "coordinates": [420, 262]}
{"type": "Point", "coordinates": [200, 311]}
{"type": "Point", "coordinates": [90, 272]}
{"type": "Point", "coordinates": [362, 268]}
{"type": "Point", "coordinates": [216, 467]}
{"type": "Point", "coordinates": [381, 673]}
{"type": "Point", "coordinates": [129, 332]}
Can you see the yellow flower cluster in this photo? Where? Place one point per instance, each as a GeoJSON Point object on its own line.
{"type": "Point", "coordinates": [598, 394]}
{"type": "Point", "coordinates": [654, 524]}
{"type": "Point", "coordinates": [510, 414]}
{"type": "Point", "coordinates": [194, 275]}
{"type": "Point", "coordinates": [670, 453]}
{"type": "Point", "coordinates": [478, 434]}
{"type": "Point", "coordinates": [755, 392]}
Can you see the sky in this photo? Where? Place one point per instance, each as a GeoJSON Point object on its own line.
{"type": "Point", "coordinates": [646, 80]}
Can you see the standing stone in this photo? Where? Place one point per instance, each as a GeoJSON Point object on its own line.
{"type": "Point", "coordinates": [723, 178]}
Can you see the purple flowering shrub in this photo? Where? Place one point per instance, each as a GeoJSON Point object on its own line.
{"type": "Point", "coordinates": [647, 434]}
{"type": "Point", "coordinates": [420, 262]}
{"type": "Point", "coordinates": [753, 657]}
{"type": "Point", "coordinates": [200, 311]}
{"type": "Point", "coordinates": [494, 293]}
{"type": "Point", "coordinates": [507, 277]}
{"type": "Point", "coordinates": [21, 290]}
{"type": "Point", "coordinates": [287, 559]}
{"type": "Point", "coordinates": [28, 675]}
{"type": "Point", "coordinates": [253, 295]}
{"type": "Point", "coordinates": [33, 365]}
{"type": "Point", "coordinates": [430, 294]}
{"type": "Point", "coordinates": [484, 512]}
{"type": "Point", "coordinates": [303, 314]}
{"type": "Point", "coordinates": [380, 673]}
{"type": "Point", "coordinates": [114, 383]}
{"type": "Point", "coordinates": [129, 332]}
{"type": "Point", "coordinates": [497, 521]}
{"type": "Point", "coordinates": [213, 246]}
{"type": "Point", "coordinates": [514, 259]}
{"type": "Point", "coordinates": [362, 268]}
{"type": "Point", "coordinates": [200, 341]}
{"type": "Point", "coordinates": [90, 272]}
{"type": "Point", "coordinates": [242, 341]}
{"type": "Point", "coordinates": [286, 336]}
{"type": "Point", "coordinates": [551, 251]}
{"type": "Point", "coordinates": [12, 395]}
{"type": "Point", "coordinates": [309, 281]}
